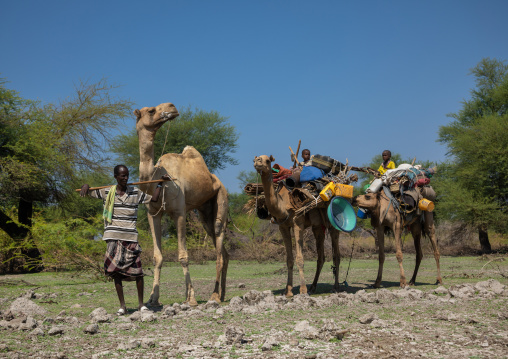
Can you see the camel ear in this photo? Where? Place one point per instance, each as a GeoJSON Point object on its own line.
{"type": "Point", "coordinates": [271, 158]}
{"type": "Point", "coordinates": [137, 113]}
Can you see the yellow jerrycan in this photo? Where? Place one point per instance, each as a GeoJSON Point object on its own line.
{"type": "Point", "coordinates": [328, 192]}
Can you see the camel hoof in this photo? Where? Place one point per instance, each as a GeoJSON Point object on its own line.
{"type": "Point", "coordinates": [215, 297]}
{"type": "Point", "coordinates": [438, 282]}
{"type": "Point", "coordinates": [153, 303]}
{"type": "Point", "coordinates": [412, 283]}
{"type": "Point", "coordinates": [303, 290]}
{"type": "Point", "coordinates": [311, 291]}
{"type": "Point", "coordinates": [192, 302]}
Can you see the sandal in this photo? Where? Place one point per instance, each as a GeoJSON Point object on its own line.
{"type": "Point", "coordinates": [120, 311]}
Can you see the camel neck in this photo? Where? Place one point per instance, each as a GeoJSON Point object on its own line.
{"type": "Point", "coordinates": [146, 154]}
{"type": "Point", "coordinates": [273, 202]}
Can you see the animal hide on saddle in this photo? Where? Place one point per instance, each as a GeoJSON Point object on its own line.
{"type": "Point", "coordinates": [409, 201]}
{"type": "Point", "coordinates": [298, 198]}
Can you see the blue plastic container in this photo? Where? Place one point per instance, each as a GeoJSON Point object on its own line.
{"type": "Point", "coordinates": [362, 213]}
{"type": "Point", "coordinates": [341, 214]}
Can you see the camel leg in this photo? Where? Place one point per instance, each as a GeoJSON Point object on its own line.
{"type": "Point", "coordinates": [183, 257]}
{"type": "Point", "coordinates": [214, 218]}
{"type": "Point", "coordinates": [430, 230]}
{"type": "Point", "coordinates": [285, 231]}
{"type": "Point", "coordinates": [380, 239]}
{"type": "Point", "coordinates": [298, 228]}
{"type": "Point", "coordinates": [320, 247]}
{"type": "Point", "coordinates": [416, 231]}
{"type": "Point", "coordinates": [334, 235]}
{"type": "Point", "coordinates": [206, 216]}
{"type": "Point", "coordinates": [397, 230]}
{"type": "Point", "coordinates": [221, 221]}
{"type": "Point", "coordinates": [155, 226]}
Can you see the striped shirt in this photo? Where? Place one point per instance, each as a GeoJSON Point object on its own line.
{"type": "Point", "coordinates": [125, 213]}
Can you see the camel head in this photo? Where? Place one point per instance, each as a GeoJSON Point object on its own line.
{"type": "Point", "coordinates": [368, 201]}
{"type": "Point", "coordinates": [152, 118]}
{"type": "Point", "coordinates": [263, 164]}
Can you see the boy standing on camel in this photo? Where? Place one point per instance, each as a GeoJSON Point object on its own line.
{"type": "Point", "coordinates": [123, 253]}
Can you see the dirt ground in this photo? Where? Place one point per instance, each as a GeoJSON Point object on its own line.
{"type": "Point", "coordinates": [467, 318]}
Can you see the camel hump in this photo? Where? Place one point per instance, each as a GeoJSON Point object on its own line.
{"type": "Point", "coordinates": [190, 152]}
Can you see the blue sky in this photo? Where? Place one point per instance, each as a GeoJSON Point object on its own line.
{"type": "Point", "coordinates": [348, 78]}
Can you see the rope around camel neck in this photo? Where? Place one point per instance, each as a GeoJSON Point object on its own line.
{"type": "Point", "coordinates": [163, 205]}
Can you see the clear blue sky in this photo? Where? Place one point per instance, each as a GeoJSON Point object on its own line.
{"type": "Point", "coordinates": [348, 78]}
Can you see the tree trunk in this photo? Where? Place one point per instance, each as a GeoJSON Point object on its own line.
{"type": "Point", "coordinates": [20, 232]}
{"type": "Point", "coordinates": [484, 239]}
{"type": "Point", "coordinates": [32, 254]}
{"type": "Point", "coordinates": [12, 229]}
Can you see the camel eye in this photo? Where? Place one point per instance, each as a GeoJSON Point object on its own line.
{"type": "Point", "coordinates": [152, 110]}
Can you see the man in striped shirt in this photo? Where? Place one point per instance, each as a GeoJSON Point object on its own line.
{"type": "Point", "coordinates": [123, 253]}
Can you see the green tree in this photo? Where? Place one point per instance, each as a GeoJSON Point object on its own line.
{"type": "Point", "coordinates": [43, 148]}
{"type": "Point", "coordinates": [473, 185]}
{"type": "Point", "coordinates": [209, 132]}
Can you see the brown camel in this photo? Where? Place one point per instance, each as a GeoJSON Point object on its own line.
{"type": "Point", "coordinates": [377, 204]}
{"type": "Point", "coordinates": [277, 205]}
{"type": "Point", "coordinates": [194, 187]}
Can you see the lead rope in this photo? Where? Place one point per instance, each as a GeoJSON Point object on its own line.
{"type": "Point", "coordinates": [163, 204]}
{"type": "Point", "coordinates": [158, 165]}
{"type": "Point", "coordinates": [349, 265]}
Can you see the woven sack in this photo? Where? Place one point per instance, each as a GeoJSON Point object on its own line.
{"type": "Point", "coordinates": [327, 164]}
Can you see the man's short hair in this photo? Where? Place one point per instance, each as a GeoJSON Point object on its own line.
{"type": "Point", "coordinates": [116, 170]}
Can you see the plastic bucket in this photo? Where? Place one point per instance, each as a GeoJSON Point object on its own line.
{"type": "Point", "coordinates": [426, 205]}
{"type": "Point", "coordinates": [341, 214]}
{"type": "Point", "coordinates": [362, 213]}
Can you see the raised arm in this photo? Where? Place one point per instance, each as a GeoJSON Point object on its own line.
{"type": "Point", "coordinates": [157, 191]}
{"type": "Point", "coordinates": [84, 190]}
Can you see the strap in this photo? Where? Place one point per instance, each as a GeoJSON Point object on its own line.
{"type": "Point", "coordinates": [392, 199]}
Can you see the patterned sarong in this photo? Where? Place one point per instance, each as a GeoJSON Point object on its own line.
{"type": "Point", "coordinates": [123, 257]}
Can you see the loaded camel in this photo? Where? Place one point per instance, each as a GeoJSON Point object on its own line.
{"type": "Point", "coordinates": [194, 187]}
{"type": "Point", "coordinates": [384, 215]}
{"type": "Point", "coordinates": [277, 205]}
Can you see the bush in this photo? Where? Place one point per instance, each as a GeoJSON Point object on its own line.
{"type": "Point", "coordinates": [71, 244]}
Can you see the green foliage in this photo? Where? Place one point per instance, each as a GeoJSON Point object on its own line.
{"type": "Point", "coordinates": [69, 244]}
{"type": "Point", "coordinates": [46, 150]}
{"type": "Point", "coordinates": [50, 144]}
{"type": "Point", "coordinates": [209, 132]}
{"type": "Point", "coordinates": [473, 187]}
{"type": "Point", "coordinates": [236, 202]}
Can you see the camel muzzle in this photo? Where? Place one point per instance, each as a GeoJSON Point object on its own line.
{"type": "Point", "coordinates": [169, 115]}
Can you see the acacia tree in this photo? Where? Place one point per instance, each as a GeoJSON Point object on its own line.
{"type": "Point", "coordinates": [473, 185]}
{"type": "Point", "coordinates": [44, 148]}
